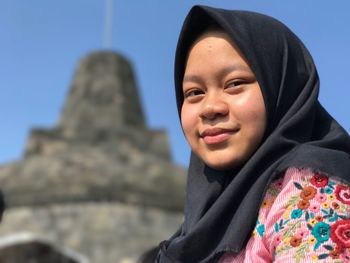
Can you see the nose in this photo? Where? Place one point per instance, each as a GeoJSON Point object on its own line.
{"type": "Point", "coordinates": [213, 108]}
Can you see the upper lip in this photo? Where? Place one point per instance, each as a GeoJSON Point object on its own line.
{"type": "Point", "coordinates": [215, 131]}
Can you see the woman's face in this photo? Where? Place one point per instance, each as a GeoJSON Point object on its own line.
{"type": "Point", "coordinates": [223, 114]}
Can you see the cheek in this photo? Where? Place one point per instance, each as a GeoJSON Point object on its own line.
{"type": "Point", "coordinates": [258, 118]}
{"type": "Point", "coordinates": [253, 115]}
{"type": "Point", "coordinates": [188, 119]}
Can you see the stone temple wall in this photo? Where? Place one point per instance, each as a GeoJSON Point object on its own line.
{"type": "Point", "coordinates": [99, 184]}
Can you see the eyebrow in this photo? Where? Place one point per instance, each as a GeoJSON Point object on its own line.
{"type": "Point", "coordinates": [222, 72]}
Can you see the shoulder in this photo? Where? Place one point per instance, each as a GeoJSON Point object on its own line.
{"type": "Point", "coordinates": [309, 218]}
{"type": "Point", "coordinates": [330, 162]}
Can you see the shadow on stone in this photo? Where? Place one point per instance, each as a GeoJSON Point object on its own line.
{"type": "Point", "coordinates": [26, 248]}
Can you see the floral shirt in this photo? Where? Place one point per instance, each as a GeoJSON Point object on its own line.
{"type": "Point", "coordinates": [305, 217]}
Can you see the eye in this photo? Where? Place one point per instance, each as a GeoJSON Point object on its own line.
{"type": "Point", "coordinates": [234, 84]}
{"type": "Point", "coordinates": [193, 93]}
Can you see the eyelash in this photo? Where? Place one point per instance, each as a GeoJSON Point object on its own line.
{"type": "Point", "coordinates": [190, 93]}
{"type": "Point", "coordinates": [197, 91]}
{"type": "Point", "coordinates": [236, 83]}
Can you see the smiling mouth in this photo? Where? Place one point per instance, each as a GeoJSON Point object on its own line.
{"type": "Point", "coordinates": [216, 135]}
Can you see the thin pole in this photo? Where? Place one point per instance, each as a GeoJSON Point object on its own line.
{"type": "Point", "coordinates": [108, 24]}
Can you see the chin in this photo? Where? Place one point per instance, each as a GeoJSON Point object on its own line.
{"type": "Point", "coordinates": [222, 164]}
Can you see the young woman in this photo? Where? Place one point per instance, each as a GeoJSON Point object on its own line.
{"type": "Point", "coordinates": [270, 168]}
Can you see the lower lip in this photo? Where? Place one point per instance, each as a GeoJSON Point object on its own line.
{"type": "Point", "coordinates": [216, 139]}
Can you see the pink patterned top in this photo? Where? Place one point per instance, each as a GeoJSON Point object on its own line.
{"type": "Point", "coordinates": [305, 217]}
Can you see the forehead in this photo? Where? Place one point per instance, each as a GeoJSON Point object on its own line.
{"type": "Point", "coordinates": [215, 48]}
{"type": "Point", "coordinates": [211, 34]}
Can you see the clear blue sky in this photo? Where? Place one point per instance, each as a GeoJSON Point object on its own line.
{"type": "Point", "coordinates": [42, 41]}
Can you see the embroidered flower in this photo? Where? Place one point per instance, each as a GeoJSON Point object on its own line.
{"type": "Point", "coordinates": [330, 197]}
{"type": "Point", "coordinates": [342, 193]}
{"type": "Point", "coordinates": [277, 184]}
{"type": "Point", "coordinates": [286, 215]}
{"type": "Point", "coordinates": [321, 198]}
{"type": "Point", "coordinates": [321, 231]}
{"type": "Point", "coordinates": [308, 193]}
{"type": "Point", "coordinates": [303, 204]}
{"type": "Point", "coordinates": [277, 240]}
{"type": "Point", "coordinates": [328, 190]}
{"type": "Point", "coordinates": [319, 218]}
{"type": "Point", "coordinates": [335, 205]}
{"type": "Point", "coordinates": [313, 221]}
{"type": "Point", "coordinates": [301, 233]}
{"type": "Point", "coordinates": [315, 208]}
{"type": "Point", "coordinates": [314, 257]}
{"type": "Point", "coordinates": [309, 228]}
{"type": "Point", "coordinates": [319, 180]}
{"type": "Point", "coordinates": [325, 205]}
{"type": "Point", "coordinates": [295, 241]}
{"type": "Point", "coordinates": [340, 233]}
{"type": "Point", "coordinates": [296, 213]}
{"type": "Point", "coordinates": [335, 253]}
{"type": "Point", "coordinates": [286, 240]}
{"type": "Point", "coordinates": [267, 203]}
{"type": "Point", "coordinates": [312, 240]}
{"type": "Point", "coordinates": [345, 256]}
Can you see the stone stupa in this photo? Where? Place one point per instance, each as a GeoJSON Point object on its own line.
{"type": "Point", "coordinates": [100, 184]}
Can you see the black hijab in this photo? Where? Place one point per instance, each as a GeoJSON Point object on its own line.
{"type": "Point", "coordinates": [222, 207]}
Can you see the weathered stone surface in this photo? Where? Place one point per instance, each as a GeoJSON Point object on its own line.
{"type": "Point", "coordinates": [87, 173]}
{"type": "Point", "coordinates": [101, 182]}
{"type": "Point", "coordinates": [94, 153]}
{"type": "Point", "coordinates": [103, 86]}
{"type": "Point", "coordinates": [103, 232]}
